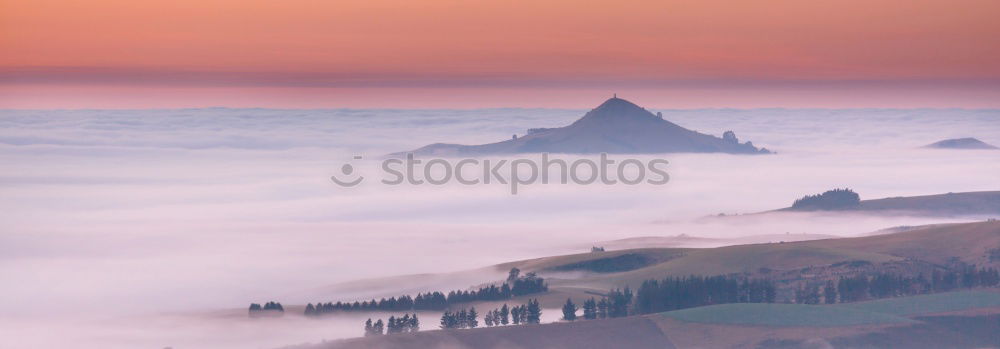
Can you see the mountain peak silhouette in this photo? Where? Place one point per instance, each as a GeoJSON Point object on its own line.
{"type": "Point", "coordinates": [618, 108]}
{"type": "Point", "coordinates": [615, 126]}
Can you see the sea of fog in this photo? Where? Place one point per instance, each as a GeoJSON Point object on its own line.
{"type": "Point", "coordinates": [156, 228]}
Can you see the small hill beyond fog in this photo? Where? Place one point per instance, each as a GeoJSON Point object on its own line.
{"type": "Point", "coordinates": [616, 126]}
{"type": "Point", "coordinates": [837, 199]}
{"type": "Point", "coordinates": [960, 143]}
{"type": "Point", "coordinates": [949, 204]}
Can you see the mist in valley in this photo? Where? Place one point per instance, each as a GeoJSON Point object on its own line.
{"type": "Point", "coordinates": [156, 228]}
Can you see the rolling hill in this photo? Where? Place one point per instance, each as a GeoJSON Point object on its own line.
{"type": "Point", "coordinates": [923, 321]}
{"type": "Point", "coordinates": [934, 245]}
{"type": "Point", "coordinates": [982, 202]}
{"type": "Point", "coordinates": [592, 273]}
{"type": "Point", "coordinates": [939, 244]}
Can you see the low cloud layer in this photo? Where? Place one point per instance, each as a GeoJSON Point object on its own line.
{"type": "Point", "coordinates": [123, 214]}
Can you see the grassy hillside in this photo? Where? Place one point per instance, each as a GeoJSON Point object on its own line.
{"type": "Point", "coordinates": [898, 322]}
{"type": "Point", "coordinates": [711, 261]}
{"type": "Point", "coordinates": [982, 202]}
{"type": "Point", "coordinates": [599, 271]}
{"type": "Point", "coordinates": [970, 242]}
{"type": "Point", "coordinates": [751, 258]}
{"type": "Point", "coordinates": [938, 244]}
{"type": "Point", "coordinates": [883, 311]}
{"type": "Point", "coordinates": [794, 315]}
{"type": "Point", "coordinates": [933, 332]}
{"type": "Point", "coordinates": [599, 261]}
{"type": "Point", "coordinates": [929, 304]}
{"type": "Point", "coordinates": [882, 321]}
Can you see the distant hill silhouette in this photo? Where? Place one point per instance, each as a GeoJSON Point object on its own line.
{"type": "Point", "coordinates": [960, 143]}
{"type": "Point", "coordinates": [616, 126]}
{"type": "Point", "coordinates": [837, 199]}
{"type": "Point", "coordinates": [950, 204]}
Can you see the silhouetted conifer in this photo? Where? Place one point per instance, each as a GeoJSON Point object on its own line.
{"type": "Point", "coordinates": [369, 328]}
{"type": "Point", "coordinates": [471, 319]}
{"type": "Point", "coordinates": [569, 310]}
{"type": "Point", "coordinates": [590, 309]}
{"type": "Point", "coordinates": [533, 312]}
{"type": "Point", "coordinates": [504, 315]}
{"type": "Point", "coordinates": [829, 292]}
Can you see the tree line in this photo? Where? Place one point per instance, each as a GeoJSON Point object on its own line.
{"type": "Point", "coordinates": [884, 285]}
{"type": "Point", "coordinates": [460, 319]}
{"type": "Point", "coordinates": [268, 308]}
{"type": "Point", "coordinates": [515, 285]}
{"type": "Point", "coordinates": [674, 293]}
{"type": "Point", "coordinates": [403, 324]}
{"type": "Point", "coordinates": [530, 313]}
{"type": "Point", "coordinates": [653, 296]}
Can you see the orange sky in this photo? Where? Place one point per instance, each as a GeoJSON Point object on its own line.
{"type": "Point", "coordinates": [113, 53]}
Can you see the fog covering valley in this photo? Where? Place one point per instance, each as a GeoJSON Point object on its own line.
{"type": "Point", "coordinates": [156, 228]}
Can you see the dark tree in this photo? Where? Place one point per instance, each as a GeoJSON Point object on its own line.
{"type": "Point", "coordinates": [513, 275]}
{"type": "Point", "coordinates": [390, 325]}
{"type": "Point", "coordinates": [590, 309]}
{"type": "Point", "coordinates": [618, 302]}
{"type": "Point", "coordinates": [448, 321]}
{"type": "Point", "coordinates": [807, 294]}
{"type": "Point", "coordinates": [403, 323]}
{"type": "Point", "coordinates": [534, 312]}
{"type": "Point", "coordinates": [770, 291]}
{"type": "Point", "coordinates": [488, 318]}
{"type": "Point", "coordinates": [504, 315]}
{"type": "Point", "coordinates": [462, 318]}
{"type": "Point", "coordinates": [853, 289]}
{"type": "Point", "coordinates": [602, 308]}
{"type": "Point", "coordinates": [569, 310]}
{"type": "Point", "coordinates": [369, 328]}
{"type": "Point", "coordinates": [523, 313]}
{"type": "Point", "coordinates": [470, 319]}
{"type": "Point", "coordinates": [830, 292]}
